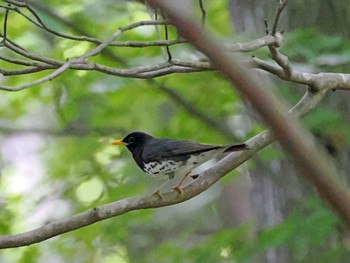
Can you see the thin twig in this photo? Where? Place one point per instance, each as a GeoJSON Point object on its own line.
{"type": "Point", "coordinates": [16, 3]}
{"type": "Point", "coordinates": [5, 24]}
{"type": "Point", "coordinates": [40, 23]}
{"type": "Point", "coordinates": [204, 13]}
{"type": "Point", "coordinates": [281, 5]}
{"type": "Point", "coordinates": [266, 25]}
{"type": "Point", "coordinates": [51, 76]}
{"type": "Point", "coordinates": [68, 64]}
{"type": "Point", "coordinates": [22, 62]}
{"type": "Point", "coordinates": [280, 59]}
{"type": "Point", "coordinates": [143, 44]}
{"type": "Point", "coordinates": [21, 72]}
{"type": "Point", "coordinates": [167, 38]}
{"type": "Point", "coordinates": [23, 52]}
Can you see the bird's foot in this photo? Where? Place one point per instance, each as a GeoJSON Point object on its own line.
{"type": "Point", "coordinates": [178, 188]}
{"type": "Point", "coordinates": [159, 194]}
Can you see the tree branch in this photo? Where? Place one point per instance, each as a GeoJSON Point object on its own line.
{"type": "Point", "coordinates": [272, 40]}
{"type": "Point", "coordinates": [203, 182]}
{"type": "Point", "coordinates": [324, 80]}
{"type": "Point", "coordinates": [281, 5]}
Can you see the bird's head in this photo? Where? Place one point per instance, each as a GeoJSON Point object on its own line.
{"type": "Point", "coordinates": [134, 140]}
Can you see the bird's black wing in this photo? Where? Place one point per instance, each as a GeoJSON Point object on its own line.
{"type": "Point", "coordinates": [161, 149]}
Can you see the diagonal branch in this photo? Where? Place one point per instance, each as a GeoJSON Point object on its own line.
{"type": "Point", "coordinates": [204, 181]}
{"type": "Point", "coordinates": [310, 159]}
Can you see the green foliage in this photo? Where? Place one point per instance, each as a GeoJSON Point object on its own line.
{"type": "Point", "coordinates": [218, 16]}
{"type": "Point", "coordinates": [308, 45]}
{"type": "Point", "coordinates": [303, 230]}
{"type": "Point", "coordinates": [323, 121]}
{"type": "Point", "coordinates": [303, 233]}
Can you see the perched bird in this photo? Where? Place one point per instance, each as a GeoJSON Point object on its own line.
{"type": "Point", "coordinates": [168, 157]}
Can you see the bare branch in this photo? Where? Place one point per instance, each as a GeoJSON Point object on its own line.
{"type": "Point", "coordinates": [40, 23]}
{"type": "Point", "coordinates": [143, 44]}
{"type": "Point", "coordinates": [281, 60]}
{"type": "Point", "coordinates": [22, 62]}
{"type": "Point", "coordinates": [65, 66]}
{"type": "Point", "coordinates": [16, 3]}
{"type": "Point", "coordinates": [145, 72]}
{"type": "Point", "coordinates": [166, 35]}
{"type": "Point", "coordinates": [320, 81]}
{"type": "Point", "coordinates": [5, 23]}
{"type": "Point", "coordinates": [21, 51]}
{"type": "Point", "coordinates": [39, 63]}
{"type": "Point", "coordinates": [51, 76]}
{"type": "Point", "coordinates": [204, 181]}
{"type": "Point", "coordinates": [281, 5]}
{"type": "Point", "coordinates": [253, 45]}
{"type": "Point", "coordinates": [20, 72]}
{"type": "Point", "coordinates": [138, 72]}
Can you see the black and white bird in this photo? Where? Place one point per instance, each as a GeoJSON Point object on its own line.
{"type": "Point", "coordinates": [168, 157]}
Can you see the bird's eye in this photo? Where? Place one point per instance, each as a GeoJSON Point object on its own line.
{"type": "Point", "coordinates": [131, 140]}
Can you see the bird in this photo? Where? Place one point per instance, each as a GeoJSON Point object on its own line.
{"type": "Point", "coordinates": [161, 157]}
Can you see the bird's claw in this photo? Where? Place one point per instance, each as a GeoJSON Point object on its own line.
{"type": "Point", "coordinates": [178, 188]}
{"type": "Point", "coordinates": [159, 194]}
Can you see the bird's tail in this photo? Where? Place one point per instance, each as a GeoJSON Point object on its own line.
{"type": "Point", "coordinates": [237, 147]}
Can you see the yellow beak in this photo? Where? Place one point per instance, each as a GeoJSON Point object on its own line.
{"type": "Point", "coordinates": [119, 142]}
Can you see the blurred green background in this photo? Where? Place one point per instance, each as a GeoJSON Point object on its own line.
{"type": "Point", "coordinates": [56, 158]}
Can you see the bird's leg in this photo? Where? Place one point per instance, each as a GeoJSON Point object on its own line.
{"type": "Point", "coordinates": [178, 186]}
